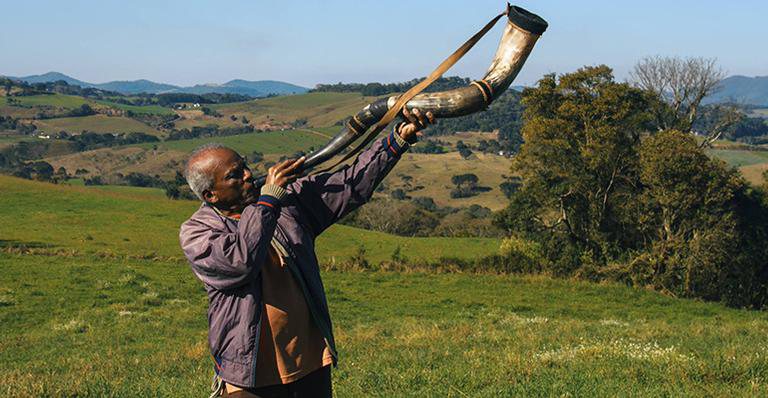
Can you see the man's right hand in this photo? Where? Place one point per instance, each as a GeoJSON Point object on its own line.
{"type": "Point", "coordinates": [286, 172]}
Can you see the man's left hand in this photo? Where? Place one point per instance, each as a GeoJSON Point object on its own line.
{"type": "Point", "coordinates": [416, 121]}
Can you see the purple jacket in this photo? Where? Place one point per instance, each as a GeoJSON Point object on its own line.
{"type": "Point", "coordinates": [226, 255]}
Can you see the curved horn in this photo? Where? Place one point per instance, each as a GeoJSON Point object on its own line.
{"type": "Point", "coordinates": [520, 35]}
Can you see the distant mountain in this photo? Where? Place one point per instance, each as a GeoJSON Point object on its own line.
{"type": "Point", "coordinates": [741, 90]}
{"type": "Point", "coordinates": [136, 86]}
{"type": "Point", "coordinates": [260, 88]}
{"type": "Point", "coordinates": [52, 77]}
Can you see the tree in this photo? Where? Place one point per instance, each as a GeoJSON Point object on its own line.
{"type": "Point", "coordinates": [463, 149]}
{"type": "Point", "coordinates": [719, 120]}
{"type": "Point", "coordinates": [579, 167]}
{"type": "Point", "coordinates": [83, 110]}
{"type": "Point", "coordinates": [681, 83]}
{"type": "Point", "coordinates": [466, 185]}
{"type": "Point", "coordinates": [510, 185]}
{"type": "Point", "coordinates": [706, 225]}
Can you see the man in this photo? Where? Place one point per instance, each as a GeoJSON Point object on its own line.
{"type": "Point", "coordinates": [254, 250]}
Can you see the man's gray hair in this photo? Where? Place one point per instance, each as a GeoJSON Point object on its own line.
{"type": "Point", "coordinates": [198, 174]}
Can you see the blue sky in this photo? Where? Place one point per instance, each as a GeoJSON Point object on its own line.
{"type": "Point", "coordinates": [310, 42]}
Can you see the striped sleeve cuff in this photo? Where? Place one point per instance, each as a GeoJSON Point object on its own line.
{"type": "Point", "coordinates": [395, 144]}
{"type": "Point", "coordinates": [271, 196]}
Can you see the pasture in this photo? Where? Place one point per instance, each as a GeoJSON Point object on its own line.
{"type": "Point", "coordinates": [12, 138]}
{"type": "Point", "coordinates": [61, 101]}
{"type": "Point", "coordinates": [319, 109]}
{"type": "Point", "coordinates": [739, 158]}
{"type": "Point", "coordinates": [95, 123]}
{"type": "Point", "coordinates": [96, 300]}
{"type": "Point", "coordinates": [146, 109]}
{"type": "Point", "coordinates": [272, 142]}
{"type": "Point", "coordinates": [431, 176]}
{"type": "Point", "coordinates": [132, 222]}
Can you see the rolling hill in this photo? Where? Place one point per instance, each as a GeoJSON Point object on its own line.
{"type": "Point", "coordinates": [741, 90]}
{"type": "Point", "coordinates": [260, 88]}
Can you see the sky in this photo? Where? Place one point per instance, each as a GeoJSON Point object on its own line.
{"type": "Point", "coordinates": [309, 42]}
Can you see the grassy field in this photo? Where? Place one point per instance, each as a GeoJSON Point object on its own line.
{"type": "Point", "coordinates": [95, 123]}
{"type": "Point", "coordinates": [96, 327]}
{"type": "Point", "coordinates": [319, 109]}
{"type": "Point", "coordinates": [128, 222]}
{"type": "Point", "coordinates": [754, 173]}
{"type": "Point", "coordinates": [69, 102]}
{"type": "Point", "coordinates": [124, 160]}
{"type": "Point", "coordinates": [95, 301]}
{"type": "Point", "coordinates": [273, 142]}
{"type": "Point", "coordinates": [54, 101]}
{"type": "Point", "coordinates": [149, 109]}
{"type": "Point", "coordinates": [434, 172]}
{"type": "Point", "coordinates": [738, 158]}
{"type": "Point", "coordinates": [12, 138]}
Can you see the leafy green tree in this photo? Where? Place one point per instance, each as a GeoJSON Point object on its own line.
{"type": "Point", "coordinates": [706, 225]}
{"type": "Point", "coordinates": [579, 167]}
{"type": "Point", "coordinates": [466, 185]}
{"type": "Point", "coordinates": [463, 149]}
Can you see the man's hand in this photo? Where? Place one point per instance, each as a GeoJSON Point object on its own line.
{"type": "Point", "coordinates": [415, 122]}
{"type": "Point", "coordinates": [286, 172]}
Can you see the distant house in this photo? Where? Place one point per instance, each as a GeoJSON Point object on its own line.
{"type": "Point", "coordinates": [196, 105]}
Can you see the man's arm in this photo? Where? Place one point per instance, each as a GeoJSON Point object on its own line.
{"type": "Point", "coordinates": [225, 260]}
{"type": "Point", "coordinates": [326, 198]}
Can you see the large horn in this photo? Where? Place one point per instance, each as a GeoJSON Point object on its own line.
{"type": "Point", "coordinates": [520, 35]}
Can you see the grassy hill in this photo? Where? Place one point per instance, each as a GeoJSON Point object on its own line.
{"type": "Point", "coordinates": [272, 142]}
{"type": "Point", "coordinates": [95, 123]}
{"type": "Point", "coordinates": [98, 221]}
{"type": "Point", "coordinates": [102, 306]}
{"type": "Point", "coordinates": [433, 173]}
{"type": "Point", "coordinates": [751, 164]}
{"type": "Point", "coordinates": [319, 109]}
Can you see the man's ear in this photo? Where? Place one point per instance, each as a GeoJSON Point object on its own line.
{"type": "Point", "coordinates": [210, 197]}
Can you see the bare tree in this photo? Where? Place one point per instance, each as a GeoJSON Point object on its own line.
{"type": "Point", "coordinates": [682, 83]}
{"type": "Point", "coordinates": [725, 117]}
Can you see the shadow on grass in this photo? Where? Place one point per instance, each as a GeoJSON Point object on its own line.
{"type": "Point", "coordinates": [22, 245]}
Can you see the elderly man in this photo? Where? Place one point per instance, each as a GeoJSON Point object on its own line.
{"type": "Point", "coordinates": [254, 250]}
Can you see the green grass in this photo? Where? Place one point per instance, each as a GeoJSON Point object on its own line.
{"type": "Point", "coordinates": [273, 142]}
{"type": "Point", "coordinates": [319, 109]}
{"type": "Point", "coordinates": [10, 139]}
{"type": "Point", "coordinates": [95, 123]}
{"type": "Point", "coordinates": [147, 109]}
{"type": "Point", "coordinates": [95, 301]}
{"type": "Point", "coordinates": [73, 101]}
{"type": "Point", "coordinates": [145, 192]}
{"type": "Point", "coordinates": [53, 100]}
{"type": "Point", "coordinates": [738, 158]}
{"type": "Point", "coordinates": [95, 327]}
{"type": "Point", "coordinates": [129, 221]}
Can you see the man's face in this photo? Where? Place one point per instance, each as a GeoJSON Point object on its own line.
{"type": "Point", "coordinates": [233, 187]}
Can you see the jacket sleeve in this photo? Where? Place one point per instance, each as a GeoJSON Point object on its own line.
{"type": "Point", "coordinates": [325, 198]}
{"type": "Point", "coordinates": [223, 259]}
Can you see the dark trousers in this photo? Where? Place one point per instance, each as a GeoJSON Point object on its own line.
{"type": "Point", "coordinates": [314, 385]}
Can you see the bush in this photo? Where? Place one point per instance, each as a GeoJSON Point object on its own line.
{"type": "Point", "coordinates": [393, 216]}
{"type": "Point", "coordinates": [526, 254]}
